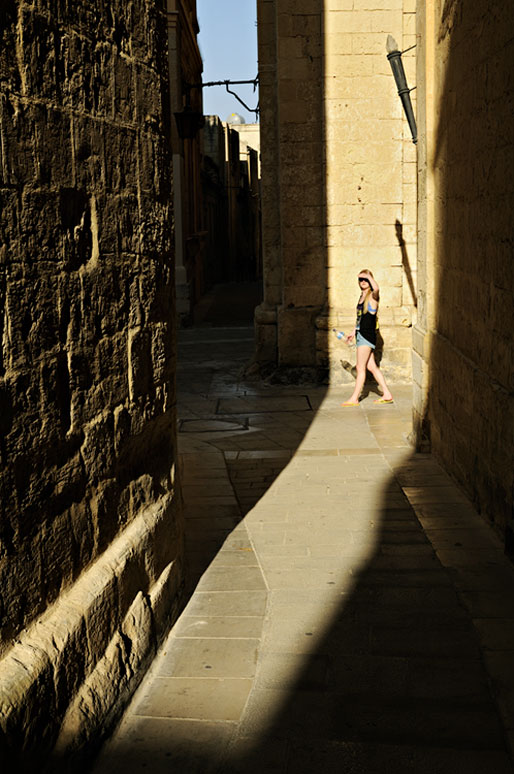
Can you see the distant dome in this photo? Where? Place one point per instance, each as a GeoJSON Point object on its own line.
{"type": "Point", "coordinates": [235, 118]}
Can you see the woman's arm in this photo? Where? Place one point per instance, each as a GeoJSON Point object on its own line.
{"type": "Point", "coordinates": [375, 290]}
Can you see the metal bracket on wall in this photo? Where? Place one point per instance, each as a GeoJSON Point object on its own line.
{"type": "Point", "coordinates": [227, 83]}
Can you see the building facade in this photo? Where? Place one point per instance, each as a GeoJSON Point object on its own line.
{"type": "Point", "coordinates": [185, 73]}
{"type": "Point", "coordinates": [339, 180]}
{"type": "Point", "coordinates": [231, 201]}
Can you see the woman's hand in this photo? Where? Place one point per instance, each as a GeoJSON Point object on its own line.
{"type": "Point", "coordinates": [375, 290]}
{"type": "Point", "coordinates": [350, 337]}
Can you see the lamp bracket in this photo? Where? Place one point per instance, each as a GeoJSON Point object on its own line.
{"type": "Point", "coordinates": [227, 83]}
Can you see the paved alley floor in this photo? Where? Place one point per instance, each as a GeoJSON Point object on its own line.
{"type": "Point", "coordinates": [348, 610]}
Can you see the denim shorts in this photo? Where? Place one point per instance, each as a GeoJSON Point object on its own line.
{"type": "Point", "coordinates": [360, 341]}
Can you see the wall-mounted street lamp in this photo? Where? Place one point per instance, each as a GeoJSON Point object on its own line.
{"type": "Point", "coordinates": [189, 121]}
{"type": "Point", "coordinates": [395, 60]}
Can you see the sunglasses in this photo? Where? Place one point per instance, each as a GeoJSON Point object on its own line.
{"type": "Point", "coordinates": [364, 279]}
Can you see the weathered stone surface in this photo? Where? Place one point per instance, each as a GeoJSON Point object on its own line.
{"type": "Point", "coordinates": [465, 370]}
{"type": "Point", "coordinates": [110, 621]}
{"type": "Point", "coordinates": [86, 363]}
{"type": "Point", "coordinates": [338, 170]}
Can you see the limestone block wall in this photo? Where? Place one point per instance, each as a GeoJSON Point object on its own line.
{"type": "Point", "coordinates": [249, 137]}
{"type": "Point", "coordinates": [339, 178]}
{"type": "Point", "coordinates": [90, 534]}
{"type": "Point", "coordinates": [185, 67]}
{"type": "Point", "coordinates": [370, 171]}
{"type": "Point", "coordinates": [214, 198]}
{"type": "Point", "coordinates": [464, 367]}
{"type": "Point", "coordinates": [294, 266]}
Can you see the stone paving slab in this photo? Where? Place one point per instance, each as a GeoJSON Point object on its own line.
{"type": "Point", "coordinates": [354, 758]}
{"type": "Point", "coordinates": [193, 698]}
{"type": "Point", "coordinates": [266, 404]}
{"type": "Point", "coordinates": [211, 657]}
{"type": "Point", "coordinates": [349, 610]}
{"type": "Point", "coordinates": [228, 603]}
{"type": "Point", "coordinates": [237, 627]}
{"type": "Point", "coordinates": [162, 745]}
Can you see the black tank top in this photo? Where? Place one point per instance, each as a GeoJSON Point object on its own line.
{"type": "Point", "coordinates": [367, 324]}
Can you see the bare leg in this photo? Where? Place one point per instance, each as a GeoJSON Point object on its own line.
{"type": "Point", "coordinates": [379, 376]}
{"type": "Point", "coordinates": [363, 354]}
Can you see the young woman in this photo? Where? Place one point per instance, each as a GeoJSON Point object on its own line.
{"type": "Point", "coordinates": [365, 334]}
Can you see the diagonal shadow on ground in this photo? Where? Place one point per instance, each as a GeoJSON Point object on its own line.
{"type": "Point", "coordinates": [324, 632]}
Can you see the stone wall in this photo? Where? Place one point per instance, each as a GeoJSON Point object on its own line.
{"type": "Point", "coordinates": [215, 201]}
{"type": "Point", "coordinates": [339, 179]}
{"type": "Point", "coordinates": [249, 137]}
{"type": "Point", "coordinates": [185, 67]}
{"type": "Point", "coordinates": [464, 367]}
{"type": "Point", "coordinates": [231, 199]}
{"type": "Point", "coordinates": [370, 170]}
{"type": "Point", "coordinates": [290, 72]}
{"type": "Point", "coordinates": [266, 313]}
{"type": "Point", "coordinates": [90, 531]}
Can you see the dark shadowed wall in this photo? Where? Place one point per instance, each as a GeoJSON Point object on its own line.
{"type": "Point", "coordinates": [90, 537]}
{"type": "Point", "coordinates": [464, 366]}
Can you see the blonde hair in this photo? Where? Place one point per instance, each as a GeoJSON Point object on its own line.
{"type": "Point", "coordinates": [367, 293]}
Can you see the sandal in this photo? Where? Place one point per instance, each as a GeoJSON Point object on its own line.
{"type": "Point", "coordinates": [349, 404]}
{"type": "Point", "coordinates": [383, 400]}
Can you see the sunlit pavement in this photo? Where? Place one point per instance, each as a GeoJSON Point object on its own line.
{"type": "Point", "coordinates": [350, 612]}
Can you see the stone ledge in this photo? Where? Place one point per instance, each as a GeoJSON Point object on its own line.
{"type": "Point", "coordinates": [56, 694]}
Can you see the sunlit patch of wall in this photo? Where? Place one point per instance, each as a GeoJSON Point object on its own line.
{"type": "Point", "coordinates": [370, 174]}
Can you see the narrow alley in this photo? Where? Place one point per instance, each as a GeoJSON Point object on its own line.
{"type": "Point", "coordinates": [208, 565]}
{"type": "Point", "coordinates": [348, 610]}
